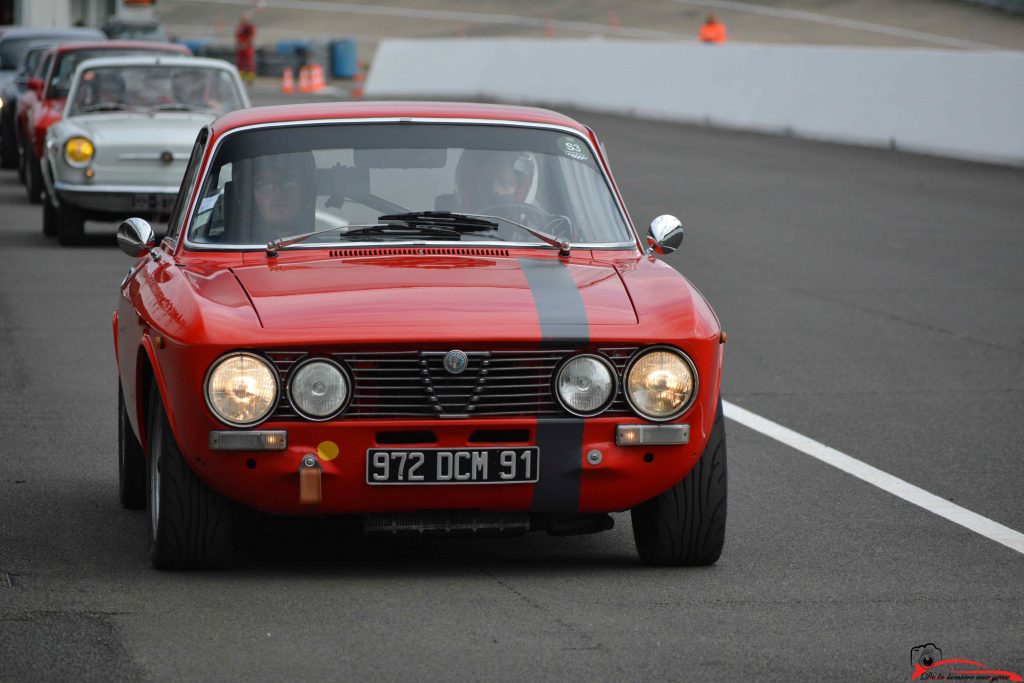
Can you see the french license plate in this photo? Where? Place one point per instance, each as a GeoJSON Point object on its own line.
{"type": "Point", "coordinates": [499, 465]}
{"type": "Point", "coordinates": [152, 202]}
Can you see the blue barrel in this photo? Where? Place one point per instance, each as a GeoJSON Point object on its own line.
{"type": "Point", "coordinates": [291, 47]}
{"type": "Point", "coordinates": [344, 58]}
{"type": "Point", "coordinates": [197, 45]}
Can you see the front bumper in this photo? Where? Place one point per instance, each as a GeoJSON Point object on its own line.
{"type": "Point", "coordinates": [121, 199]}
{"type": "Point", "coordinates": [569, 481]}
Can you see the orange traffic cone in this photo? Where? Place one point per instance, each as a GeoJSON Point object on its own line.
{"type": "Point", "coordinates": [304, 82]}
{"type": "Point", "coordinates": [358, 78]}
{"type": "Point", "coordinates": [356, 92]}
{"type": "Point", "coordinates": [287, 81]}
{"type": "Point", "coordinates": [317, 81]}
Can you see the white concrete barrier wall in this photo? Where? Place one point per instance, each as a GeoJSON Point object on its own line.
{"type": "Point", "coordinates": [961, 104]}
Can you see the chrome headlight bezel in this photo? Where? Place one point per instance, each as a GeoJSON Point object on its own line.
{"type": "Point", "coordinates": [606, 404]}
{"type": "Point", "coordinates": [645, 352]}
{"type": "Point", "coordinates": [224, 358]}
{"type": "Point", "coordinates": [71, 162]}
{"type": "Point", "coordinates": [346, 376]}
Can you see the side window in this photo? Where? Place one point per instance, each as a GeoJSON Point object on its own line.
{"type": "Point", "coordinates": [211, 214]}
{"type": "Point", "coordinates": [185, 191]}
{"type": "Point", "coordinates": [44, 67]}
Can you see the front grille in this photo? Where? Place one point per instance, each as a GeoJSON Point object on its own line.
{"type": "Point", "coordinates": [415, 384]}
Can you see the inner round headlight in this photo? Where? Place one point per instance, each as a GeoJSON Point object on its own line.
{"type": "Point", "coordinates": [660, 384]}
{"type": "Point", "coordinates": [241, 389]}
{"type": "Point", "coordinates": [318, 389]}
{"type": "Point", "coordinates": [585, 385]}
{"type": "Point", "coordinates": [78, 151]}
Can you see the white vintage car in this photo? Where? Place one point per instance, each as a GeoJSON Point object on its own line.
{"type": "Point", "coordinates": [126, 135]}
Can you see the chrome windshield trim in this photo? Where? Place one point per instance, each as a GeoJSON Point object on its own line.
{"type": "Point", "coordinates": [119, 189]}
{"type": "Point", "coordinates": [199, 246]}
{"type": "Point", "coordinates": [189, 245]}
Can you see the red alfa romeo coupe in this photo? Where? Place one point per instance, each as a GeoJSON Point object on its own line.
{"type": "Point", "coordinates": [430, 318]}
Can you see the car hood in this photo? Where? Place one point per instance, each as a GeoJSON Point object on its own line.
{"type": "Point", "coordinates": [401, 291]}
{"type": "Point", "coordinates": [132, 130]}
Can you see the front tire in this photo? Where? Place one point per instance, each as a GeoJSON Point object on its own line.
{"type": "Point", "coordinates": [33, 180]}
{"type": "Point", "coordinates": [51, 220]}
{"type": "Point", "coordinates": [22, 161]}
{"type": "Point", "coordinates": [8, 148]}
{"type": "Point", "coordinates": [131, 461]}
{"type": "Point", "coordinates": [685, 526]}
{"type": "Point", "coordinates": [70, 225]}
{"type": "Point", "coordinates": [190, 523]}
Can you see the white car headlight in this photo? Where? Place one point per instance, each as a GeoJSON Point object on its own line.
{"type": "Point", "coordinates": [585, 385]}
{"type": "Point", "coordinates": [241, 389]}
{"type": "Point", "coordinates": [318, 389]}
{"type": "Point", "coordinates": [661, 384]}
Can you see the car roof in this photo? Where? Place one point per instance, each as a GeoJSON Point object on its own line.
{"type": "Point", "coordinates": [156, 60]}
{"type": "Point", "coordinates": [391, 110]}
{"type": "Point", "coordinates": [28, 32]}
{"type": "Point", "coordinates": [47, 42]}
{"type": "Point", "coordinates": [125, 44]}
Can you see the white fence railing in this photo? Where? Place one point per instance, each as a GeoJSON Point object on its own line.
{"type": "Point", "coordinates": [960, 104]}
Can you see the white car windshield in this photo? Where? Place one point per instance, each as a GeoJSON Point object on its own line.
{"type": "Point", "coordinates": [347, 179]}
{"type": "Point", "coordinates": [149, 88]}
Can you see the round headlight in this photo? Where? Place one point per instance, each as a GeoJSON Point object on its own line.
{"type": "Point", "coordinates": [318, 389]}
{"type": "Point", "coordinates": [78, 151]}
{"type": "Point", "coordinates": [241, 389]}
{"type": "Point", "coordinates": [661, 384]}
{"type": "Point", "coordinates": [585, 385]}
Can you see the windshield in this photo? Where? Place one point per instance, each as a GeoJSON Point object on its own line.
{"type": "Point", "coordinates": [273, 183]}
{"type": "Point", "coordinates": [31, 60]}
{"type": "Point", "coordinates": [60, 79]}
{"type": "Point", "coordinates": [180, 88]}
{"type": "Point", "coordinates": [12, 49]}
{"type": "Point", "coordinates": [136, 31]}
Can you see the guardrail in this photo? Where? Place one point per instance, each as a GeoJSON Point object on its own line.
{"type": "Point", "coordinates": [950, 103]}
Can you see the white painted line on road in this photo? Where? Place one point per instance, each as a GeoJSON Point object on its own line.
{"type": "Point", "coordinates": [813, 17]}
{"type": "Point", "coordinates": [462, 17]}
{"type": "Point", "coordinates": [901, 489]}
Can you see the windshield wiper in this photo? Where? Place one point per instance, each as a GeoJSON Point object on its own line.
{"type": "Point", "coordinates": [106, 106]}
{"type": "Point", "coordinates": [474, 222]}
{"type": "Point", "coordinates": [389, 230]}
{"type": "Point", "coordinates": [562, 245]}
{"type": "Point", "coordinates": [283, 242]}
{"type": "Point", "coordinates": [453, 221]}
{"type": "Point", "coordinates": [381, 229]}
{"type": "Point", "coordinates": [434, 224]}
{"type": "Point", "coordinates": [177, 106]}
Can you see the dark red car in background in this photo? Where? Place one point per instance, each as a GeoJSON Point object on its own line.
{"type": "Point", "coordinates": [21, 49]}
{"type": "Point", "coordinates": [52, 89]}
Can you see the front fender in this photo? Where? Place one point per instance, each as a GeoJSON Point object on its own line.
{"type": "Point", "coordinates": [149, 371]}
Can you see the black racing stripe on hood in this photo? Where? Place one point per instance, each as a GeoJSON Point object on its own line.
{"type": "Point", "coordinates": [563, 322]}
{"type": "Point", "coordinates": [563, 317]}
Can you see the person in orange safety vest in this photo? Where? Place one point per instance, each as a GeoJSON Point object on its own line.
{"type": "Point", "coordinates": [713, 31]}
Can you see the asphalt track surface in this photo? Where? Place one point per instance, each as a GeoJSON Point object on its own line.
{"type": "Point", "coordinates": [874, 301]}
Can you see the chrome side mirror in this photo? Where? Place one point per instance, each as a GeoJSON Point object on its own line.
{"type": "Point", "coordinates": [135, 237]}
{"type": "Point", "coordinates": [665, 234]}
